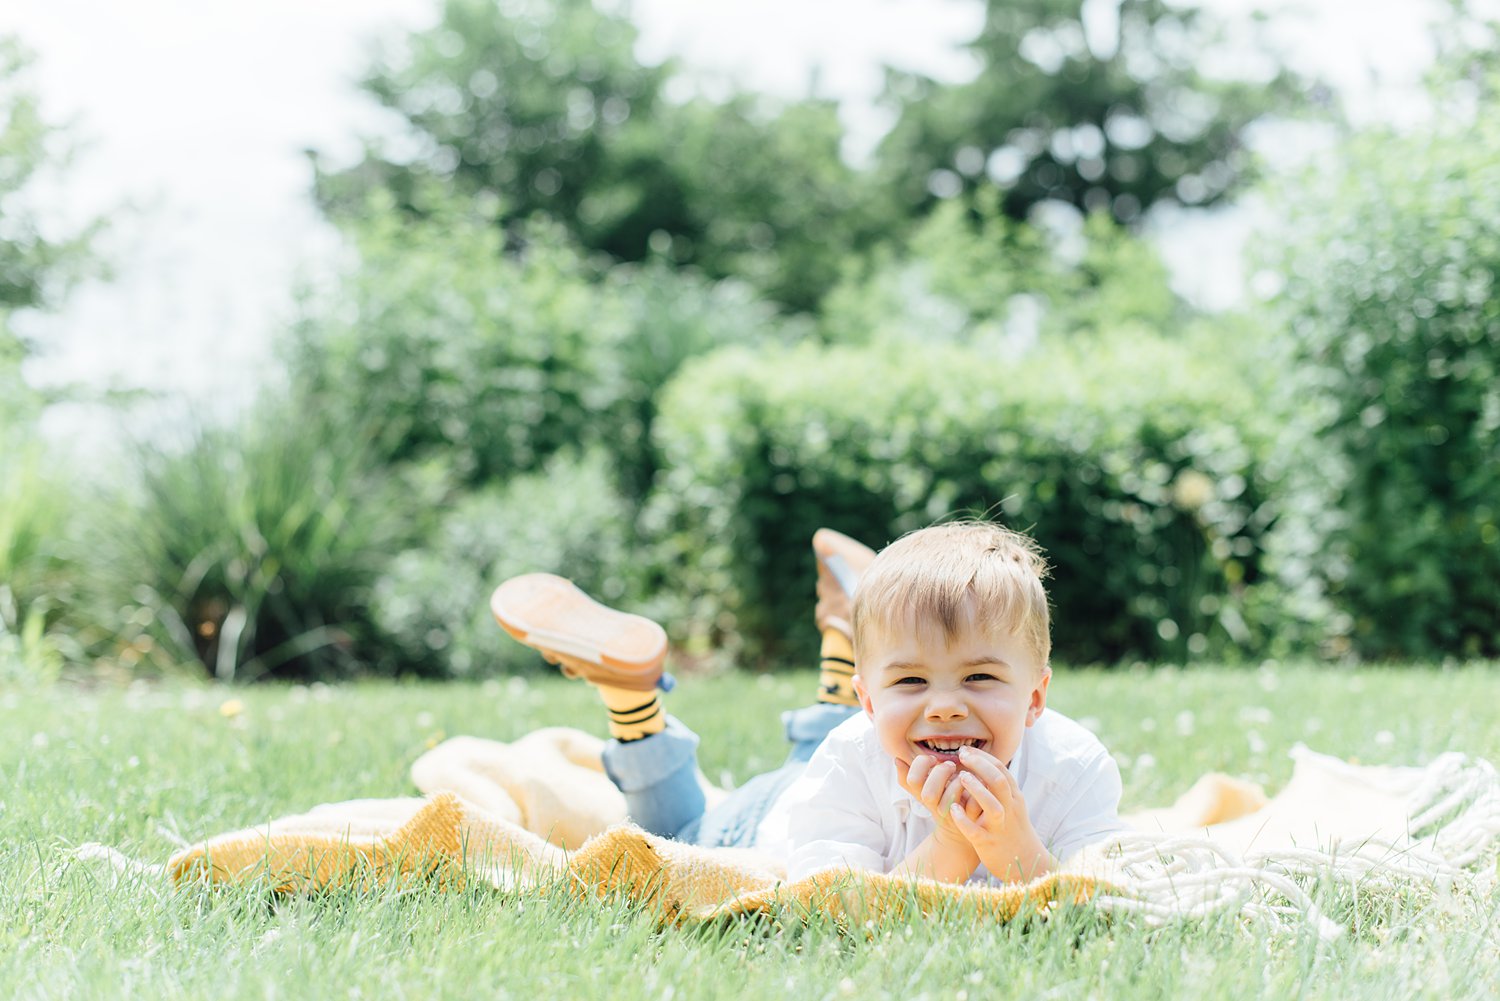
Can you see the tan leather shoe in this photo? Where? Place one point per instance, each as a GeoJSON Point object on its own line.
{"type": "Point", "coordinates": [589, 640]}
{"type": "Point", "coordinates": [841, 561]}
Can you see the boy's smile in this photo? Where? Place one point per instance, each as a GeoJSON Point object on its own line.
{"type": "Point", "coordinates": [932, 694]}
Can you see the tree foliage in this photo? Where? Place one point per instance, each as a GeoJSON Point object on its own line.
{"type": "Point", "coordinates": [970, 275]}
{"type": "Point", "coordinates": [444, 349]}
{"type": "Point", "coordinates": [37, 267]}
{"type": "Point", "coordinates": [544, 108]}
{"type": "Point", "coordinates": [1390, 262]}
{"type": "Point", "coordinates": [1103, 114]}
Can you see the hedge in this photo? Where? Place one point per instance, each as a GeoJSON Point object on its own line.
{"type": "Point", "coordinates": [1138, 463]}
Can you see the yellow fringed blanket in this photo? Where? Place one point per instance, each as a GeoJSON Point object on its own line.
{"type": "Point", "coordinates": [539, 812]}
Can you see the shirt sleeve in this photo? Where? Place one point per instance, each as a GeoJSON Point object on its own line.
{"type": "Point", "coordinates": [833, 820]}
{"type": "Point", "coordinates": [1091, 811]}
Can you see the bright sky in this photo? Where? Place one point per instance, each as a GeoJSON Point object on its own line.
{"type": "Point", "coordinates": [196, 112]}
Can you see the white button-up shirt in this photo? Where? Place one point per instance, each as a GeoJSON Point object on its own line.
{"type": "Point", "coordinates": [848, 809]}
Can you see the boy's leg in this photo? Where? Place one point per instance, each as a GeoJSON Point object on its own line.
{"type": "Point", "coordinates": [653, 758]}
{"type": "Point", "coordinates": [841, 560]}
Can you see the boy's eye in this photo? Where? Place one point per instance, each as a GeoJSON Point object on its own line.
{"type": "Point", "coordinates": [911, 679]}
{"type": "Point", "coordinates": [982, 676]}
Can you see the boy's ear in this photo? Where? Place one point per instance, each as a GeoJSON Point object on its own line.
{"type": "Point", "coordinates": [864, 695]}
{"type": "Point", "coordinates": [1039, 697]}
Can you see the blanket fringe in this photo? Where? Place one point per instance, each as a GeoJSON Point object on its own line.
{"type": "Point", "coordinates": [1454, 806]}
{"type": "Point", "coordinates": [121, 863]}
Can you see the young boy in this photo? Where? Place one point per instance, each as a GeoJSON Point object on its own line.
{"type": "Point", "coordinates": [955, 770]}
{"type": "Point", "coordinates": [652, 757]}
{"type": "Point", "coordinates": [952, 771]}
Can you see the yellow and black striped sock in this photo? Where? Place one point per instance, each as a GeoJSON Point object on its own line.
{"type": "Point", "coordinates": [632, 714]}
{"type": "Point", "coordinates": [836, 670]}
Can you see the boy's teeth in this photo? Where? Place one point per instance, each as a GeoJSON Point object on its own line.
{"type": "Point", "coordinates": [949, 745]}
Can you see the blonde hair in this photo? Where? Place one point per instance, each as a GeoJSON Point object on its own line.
{"type": "Point", "coordinates": [957, 576]}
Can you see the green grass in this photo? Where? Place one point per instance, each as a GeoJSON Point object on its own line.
{"type": "Point", "coordinates": [132, 767]}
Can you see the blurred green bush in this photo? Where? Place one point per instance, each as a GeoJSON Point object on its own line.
{"type": "Point", "coordinates": [36, 573]}
{"type": "Point", "coordinates": [250, 551]}
{"type": "Point", "coordinates": [1390, 269]}
{"type": "Point", "coordinates": [1138, 462]}
{"type": "Point", "coordinates": [972, 275]}
{"type": "Point", "coordinates": [432, 603]}
{"type": "Point", "coordinates": [449, 351]}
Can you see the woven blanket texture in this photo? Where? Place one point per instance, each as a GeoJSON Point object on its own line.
{"type": "Point", "coordinates": [539, 812]}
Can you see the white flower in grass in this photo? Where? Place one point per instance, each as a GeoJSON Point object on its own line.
{"type": "Point", "coordinates": [1384, 738]}
{"type": "Point", "coordinates": [1148, 724]}
{"type": "Point", "coordinates": [1186, 723]}
{"type": "Point", "coordinates": [1255, 714]}
{"type": "Point", "coordinates": [425, 719]}
{"type": "Point", "coordinates": [517, 687]}
{"type": "Point", "coordinates": [1145, 762]}
{"type": "Point", "coordinates": [39, 740]}
{"type": "Point", "coordinates": [1257, 744]}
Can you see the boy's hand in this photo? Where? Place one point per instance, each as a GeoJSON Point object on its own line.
{"type": "Point", "coordinates": [991, 816]}
{"type": "Point", "coordinates": [947, 854]}
{"type": "Point", "coordinates": [935, 785]}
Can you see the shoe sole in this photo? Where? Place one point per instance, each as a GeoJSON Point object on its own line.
{"type": "Point", "coordinates": [548, 612]}
{"type": "Point", "coordinates": [846, 559]}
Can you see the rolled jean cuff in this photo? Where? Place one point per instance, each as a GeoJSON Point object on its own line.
{"type": "Point", "coordinates": [659, 777]}
{"type": "Point", "coordinates": [633, 765]}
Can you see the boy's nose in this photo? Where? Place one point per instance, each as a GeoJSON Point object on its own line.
{"type": "Point", "coordinates": [946, 706]}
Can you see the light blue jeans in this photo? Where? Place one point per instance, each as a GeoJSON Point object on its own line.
{"type": "Point", "coordinates": [659, 777]}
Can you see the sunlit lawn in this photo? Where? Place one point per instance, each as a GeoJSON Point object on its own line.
{"type": "Point", "coordinates": [135, 768]}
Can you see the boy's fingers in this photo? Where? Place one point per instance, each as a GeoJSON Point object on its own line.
{"type": "Point", "coordinates": [981, 794]}
{"type": "Point", "coordinates": [983, 764]}
{"type": "Point", "coordinates": [967, 827]}
{"type": "Point", "coordinates": [950, 794]}
{"type": "Point", "coordinates": [991, 771]}
{"type": "Point", "coordinates": [937, 782]}
{"type": "Point", "coordinates": [915, 773]}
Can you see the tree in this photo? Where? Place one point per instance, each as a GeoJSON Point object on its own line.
{"type": "Point", "coordinates": [544, 109]}
{"type": "Point", "coordinates": [1104, 117]}
{"type": "Point", "coordinates": [36, 267]}
{"type": "Point", "coordinates": [1389, 257]}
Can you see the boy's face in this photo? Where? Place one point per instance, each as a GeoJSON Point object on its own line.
{"type": "Point", "coordinates": [928, 694]}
